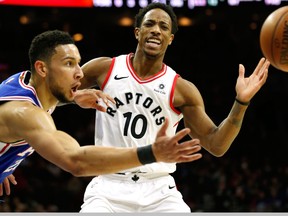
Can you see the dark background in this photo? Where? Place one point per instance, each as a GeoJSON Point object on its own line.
{"type": "Point", "coordinates": [251, 177]}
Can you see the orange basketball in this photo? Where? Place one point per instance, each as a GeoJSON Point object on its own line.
{"type": "Point", "coordinates": [274, 38]}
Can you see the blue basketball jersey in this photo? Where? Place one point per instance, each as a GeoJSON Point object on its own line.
{"type": "Point", "coordinates": [11, 154]}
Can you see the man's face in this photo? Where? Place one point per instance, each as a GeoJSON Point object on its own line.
{"type": "Point", "coordinates": [155, 35]}
{"type": "Point", "coordinates": [64, 72]}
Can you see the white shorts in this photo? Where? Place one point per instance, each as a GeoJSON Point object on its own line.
{"type": "Point", "coordinates": [121, 194]}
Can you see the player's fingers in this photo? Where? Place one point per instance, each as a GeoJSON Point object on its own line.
{"type": "Point", "coordinates": [263, 78]}
{"type": "Point", "coordinates": [188, 148]}
{"type": "Point", "coordinates": [264, 71]}
{"type": "Point", "coordinates": [180, 135]}
{"type": "Point", "coordinates": [1, 189]}
{"type": "Point", "coordinates": [259, 66]}
{"type": "Point", "coordinates": [99, 107]}
{"type": "Point", "coordinates": [241, 71]}
{"type": "Point", "coordinates": [12, 179]}
{"type": "Point", "coordinates": [190, 158]}
{"type": "Point", "coordinates": [263, 74]}
{"type": "Point", "coordinates": [189, 151]}
{"type": "Point", "coordinates": [110, 99]}
{"type": "Point", "coordinates": [190, 145]}
{"type": "Point", "coordinates": [105, 97]}
{"type": "Point", "coordinates": [6, 184]}
{"type": "Point", "coordinates": [162, 131]}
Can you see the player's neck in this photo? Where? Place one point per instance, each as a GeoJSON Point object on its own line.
{"type": "Point", "coordinates": [145, 66]}
{"type": "Point", "coordinates": [46, 98]}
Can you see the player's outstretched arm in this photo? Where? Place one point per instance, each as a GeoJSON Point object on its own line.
{"type": "Point", "coordinates": [64, 151]}
{"type": "Point", "coordinates": [38, 129]}
{"type": "Point", "coordinates": [217, 139]}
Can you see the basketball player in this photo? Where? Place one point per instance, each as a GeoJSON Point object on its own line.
{"type": "Point", "coordinates": [146, 91]}
{"type": "Point", "coordinates": [28, 98]}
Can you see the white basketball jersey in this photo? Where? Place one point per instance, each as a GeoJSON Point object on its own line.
{"type": "Point", "coordinates": [140, 109]}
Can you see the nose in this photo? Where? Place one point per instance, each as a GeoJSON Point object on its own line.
{"type": "Point", "coordinates": [79, 73]}
{"type": "Point", "coordinates": [155, 29]}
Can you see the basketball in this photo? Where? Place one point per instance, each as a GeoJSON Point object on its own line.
{"type": "Point", "coordinates": [274, 38]}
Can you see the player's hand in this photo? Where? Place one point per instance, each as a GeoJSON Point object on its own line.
{"type": "Point", "coordinates": [5, 185]}
{"type": "Point", "coordinates": [168, 149]}
{"type": "Point", "coordinates": [92, 98]}
{"type": "Point", "coordinates": [247, 87]}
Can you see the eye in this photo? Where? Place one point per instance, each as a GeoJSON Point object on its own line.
{"type": "Point", "coordinates": [148, 24]}
{"type": "Point", "coordinates": [69, 63]}
{"type": "Point", "coordinates": [165, 27]}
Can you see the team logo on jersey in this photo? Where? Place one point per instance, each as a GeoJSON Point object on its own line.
{"type": "Point", "coordinates": [161, 86]}
{"type": "Point", "coordinates": [138, 99]}
{"type": "Point", "coordinates": [119, 78]}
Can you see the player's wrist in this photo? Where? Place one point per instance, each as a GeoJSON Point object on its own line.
{"type": "Point", "coordinates": [145, 154]}
{"type": "Point", "coordinates": [242, 103]}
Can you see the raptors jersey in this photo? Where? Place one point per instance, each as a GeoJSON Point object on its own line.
{"type": "Point", "coordinates": [11, 154]}
{"type": "Point", "coordinates": [140, 110]}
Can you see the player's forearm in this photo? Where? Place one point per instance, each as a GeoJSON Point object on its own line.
{"type": "Point", "coordinates": [228, 130]}
{"type": "Point", "coordinates": [91, 160]}
{"type": "Point", "coordinates": [65, 152]}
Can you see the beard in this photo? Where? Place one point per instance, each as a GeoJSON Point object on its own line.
{"type": "Point", "coordinates": [57, 89]}
{"type": "Point", "coordinates": [60, 96]}
{"type": "Point", "coordinates": [59, 93]}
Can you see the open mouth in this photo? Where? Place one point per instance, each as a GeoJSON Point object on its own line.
{"type": "Point", "coordinates": [153, 41]}
{"type": "Point", "coordinates": [75, 87]}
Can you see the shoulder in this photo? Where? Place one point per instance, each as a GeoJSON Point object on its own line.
{"type": "Point", "coordinates": [182, 85]}
{"type": "Point", "coordinates": [21, 111]}
{"type": "Point", "coordinates": [18, 118]}
{"type": "Point", "coordinates": [186, 93]}
{"type": "Point", "coordinates": [96, 63]}
{"type": "Point", "coordinates": [95, 71]}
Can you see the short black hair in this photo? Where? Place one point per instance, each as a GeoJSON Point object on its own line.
{"type": "Point", "coordinates": [43, 45]}
{"type": "Point", "coordinates": [167, 8]}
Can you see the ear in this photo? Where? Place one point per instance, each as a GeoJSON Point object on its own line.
{"type": "Point", "coordinates": [136, 32]}
{"type": "Point", "coordinates": [171, 39]}
{"type": "Point", "coordinates": [40, 68]}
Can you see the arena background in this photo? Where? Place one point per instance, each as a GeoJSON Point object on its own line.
{"type": "Point", "coordinates": [251, 177]}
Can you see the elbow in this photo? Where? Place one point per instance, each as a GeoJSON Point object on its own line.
{"type": "Point", "coordinates": [77, 173]}
{"type": "Point", "coordinates": [218, 152]}
{"type": "Point", "coordinates": [75, 168]}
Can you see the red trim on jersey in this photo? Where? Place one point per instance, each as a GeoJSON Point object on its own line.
{"type": "Point", "coordinates": [139, 79]}
{"type": "Point", "coordinates": [19, 143]}
{"type": "Point", "coordinates": [22, 77]}
{"type": "Point", "coordinates": [176, 124]}
{"type": "Point", "coordinates": [17, 98]}
{"type": "Point", "coordinates": [172, 95]}
{"type": "Point", "coordinates": [4, 148]}
{"type": "Point", "coordinates": [28, 87]}
{"type": "Point", "coordinates": [108, 74]}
